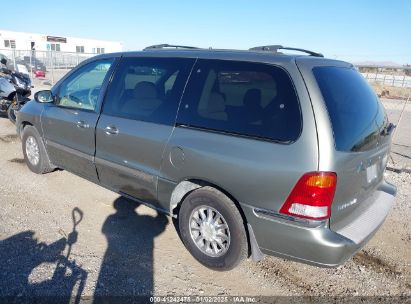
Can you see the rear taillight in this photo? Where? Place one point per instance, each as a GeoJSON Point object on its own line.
{"type": "Point", "coordinates": [312, 196]}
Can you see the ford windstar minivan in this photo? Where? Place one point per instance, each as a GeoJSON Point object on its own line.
{"type": "Point", "coordinates": [253, 152]}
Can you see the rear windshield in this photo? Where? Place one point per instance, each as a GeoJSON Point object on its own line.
{"type": "Point", "coordinates": [355, 112]}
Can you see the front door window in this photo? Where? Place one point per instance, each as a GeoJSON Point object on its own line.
{"type": "Point", "coordinates": [81, 89]}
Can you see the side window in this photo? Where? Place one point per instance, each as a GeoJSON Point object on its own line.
{"type": "Point", "coordinates": [82, 88]}
{"type": "Point", "coordinates": [250, 99]}
{"type": "Point", "coordinates": [148, 89]}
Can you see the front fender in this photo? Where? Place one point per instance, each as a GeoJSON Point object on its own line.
{"type": "Point", "coordinates": [30, 113]}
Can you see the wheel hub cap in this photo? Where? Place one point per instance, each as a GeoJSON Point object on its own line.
{"type": "Point", "coordinates": [32, 150]}
{"type": "Point", "coordinates": [209, 231]}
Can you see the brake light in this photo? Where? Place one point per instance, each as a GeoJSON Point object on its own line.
{"type": "Point", "coordinates": [312, 196]}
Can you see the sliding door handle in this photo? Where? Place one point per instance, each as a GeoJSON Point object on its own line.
{"type": "Point", "coordinates": [82, 124]}
{"type": "Point", "coordinates": [111, 130]}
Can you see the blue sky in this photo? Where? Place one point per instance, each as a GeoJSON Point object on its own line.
{"type": "Point", "coordinates": [354, 30]}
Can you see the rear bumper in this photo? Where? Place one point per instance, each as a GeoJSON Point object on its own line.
{"type": "Point", "coordinates": [316, 243]}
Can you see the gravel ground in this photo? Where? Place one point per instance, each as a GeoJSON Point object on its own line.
{"type": "Point", "coordinates": [121, 248]}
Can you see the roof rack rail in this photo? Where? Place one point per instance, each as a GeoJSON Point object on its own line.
{"type": "Point", "coordinates": [275, 48]}
{"type": "Point", "coordinates": [165, 45]}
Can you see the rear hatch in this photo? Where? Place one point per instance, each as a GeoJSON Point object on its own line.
{"type": "Point", "coordinates": [362, 138]}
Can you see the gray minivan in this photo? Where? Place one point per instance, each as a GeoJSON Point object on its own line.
{"type": "Point", "coordinates": [254, 152]}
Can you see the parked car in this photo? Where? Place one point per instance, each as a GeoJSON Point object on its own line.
{"type": "Point", "coordinates": [16, 65]}
{"type": "Point", "coordinates": [253, 152]}
{"type": "Point", "coordinates": [36, 64]}
{"type": "Point", "coordinates": [39, 74]}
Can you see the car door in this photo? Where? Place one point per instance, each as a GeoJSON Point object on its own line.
{"type": "Point", "coordinates": [69, 123]}
{"type": "Point", "coordinates": [136, 121]}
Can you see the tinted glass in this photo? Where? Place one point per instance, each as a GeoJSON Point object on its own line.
{"type": "Point", "coordinates": [355, 112]}
{"type": "Point", "coordinates": [249, 99]}
{"type": "Point", "coordinates": [82, 88]}
{"type": "Point", "coordinates": [148, 89]}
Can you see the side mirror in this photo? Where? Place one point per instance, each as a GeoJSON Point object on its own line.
{"type": "Point", "coordinates": [45, 96]}
{"type": "Point", "coordinates": [4, 61]}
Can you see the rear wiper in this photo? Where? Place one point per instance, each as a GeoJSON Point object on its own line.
{"type": "Point", "coordinates": [388, 129]}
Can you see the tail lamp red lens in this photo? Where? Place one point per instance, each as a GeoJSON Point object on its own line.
{"type": "Point", "coordinates": [312, 196]}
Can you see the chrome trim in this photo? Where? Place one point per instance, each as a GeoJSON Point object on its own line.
{"type": "Point", "coordinates": [287, 219]}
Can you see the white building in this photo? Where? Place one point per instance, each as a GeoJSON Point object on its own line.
{"type": "Point", "coordinates": [10, 40]}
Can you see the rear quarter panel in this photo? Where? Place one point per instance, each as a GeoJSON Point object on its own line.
{"type": "Point", "coordinates": [353, 188]}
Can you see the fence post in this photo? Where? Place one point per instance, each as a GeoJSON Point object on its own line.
{"type": "Point", "coordinates": [52, 67]}
{"type": "Point", "coordinates": [14, 59]}
{"type": "Point", "coordinates": [393, 78]}
{"type": "Point", "coordinates": [31, 66]}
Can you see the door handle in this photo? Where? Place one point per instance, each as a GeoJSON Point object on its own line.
{"type": "Point", "coordinates": [82, 124]}
{"type": "Point", "coordinates": [111, 130]}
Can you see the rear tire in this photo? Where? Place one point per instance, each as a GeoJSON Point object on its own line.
{"type": "Point", "coordinates": [11, 113]}
{"type": "Point", "coordinates": [212, 229]}
{"type": "Point", "coordinates": [34, 151]}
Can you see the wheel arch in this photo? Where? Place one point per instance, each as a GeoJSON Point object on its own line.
{"type": "Point", "coordinates": [185, 187]}
{"type": "Point", "coordinates": [22, 125]}
{"type": "Point", "coordinates": [46, 165]}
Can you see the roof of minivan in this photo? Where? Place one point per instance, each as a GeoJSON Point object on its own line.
{"type": "Point", "coordinates": [222, 54]}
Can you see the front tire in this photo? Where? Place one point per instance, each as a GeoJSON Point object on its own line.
{"type": "Point", "coordinates": [34, 151]}
{"type": "Point", "coordinates": [212, 229]}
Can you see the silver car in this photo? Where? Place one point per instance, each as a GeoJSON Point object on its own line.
{"type": "Point", "coordinates": [253, 152]}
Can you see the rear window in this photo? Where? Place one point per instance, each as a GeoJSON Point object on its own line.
{"type": "Point", "coordinates": [355, 111]}
{"type": "Point", "coordinates": [248, 99]}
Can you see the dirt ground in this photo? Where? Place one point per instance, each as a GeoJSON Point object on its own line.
{"type": "Point", "coordinates": [121, 248]}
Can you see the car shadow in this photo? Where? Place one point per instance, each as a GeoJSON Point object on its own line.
{"type": "Point", "coordinates": [22, 253]}
{"type": "Point", "coordinates": [31, 270]}
{"type": "Point", "coordinates": [127, 266]}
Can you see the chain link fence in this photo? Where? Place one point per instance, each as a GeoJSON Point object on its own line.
{"type": "Point", "coordinates": [389, 82]}
{"type": "Point", "coordinates": [54, 64]}
{"type": "Point", "coordinates": [389, 76]}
